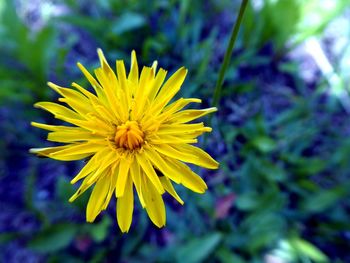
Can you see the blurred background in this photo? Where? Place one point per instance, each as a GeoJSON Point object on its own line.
{"type": "Point", "coordinates": [281, 133]}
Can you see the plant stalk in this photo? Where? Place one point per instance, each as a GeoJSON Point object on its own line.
{"type": "Point", "coordinates": [228, 53]}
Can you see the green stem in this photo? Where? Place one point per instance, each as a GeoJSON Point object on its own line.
{"type": "Point", "coordinates": [228, 53]}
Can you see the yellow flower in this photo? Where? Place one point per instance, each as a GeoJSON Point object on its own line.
{"type": "Point", "coordinates": [133, 135]}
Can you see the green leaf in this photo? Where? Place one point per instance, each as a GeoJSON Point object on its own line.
{"type": "Point", "coordinates": [306, 249]}
{"type": "Point", "coordinates": [64, 190]}
{"type": "Point", "coordinates": [248, 201]}
{"type": "Point", "coordinates": [128, 22]}
{"type": "Point", "coordinates": [227, 256]}
{"type": "Point", "coordinates": [264, 144]}
{"type": "Point", "coordinates": [53, 238]}
{"type": "Point", "coordinates": [315, 16]}
{"type": "Point", "coordinates": [324, 199]}
{"type": "Point", "coordinates": [99, 231]}
{"type": "Point", "coordinates": [198, 249]}
{"type": "Point", "coordinates": [6, 237]}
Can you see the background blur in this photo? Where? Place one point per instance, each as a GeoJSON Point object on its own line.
{"type": "Point", "coordinates": [281, 133]}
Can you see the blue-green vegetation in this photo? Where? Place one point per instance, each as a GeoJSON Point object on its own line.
{"type": "Point", "coordinates": [281, 133]}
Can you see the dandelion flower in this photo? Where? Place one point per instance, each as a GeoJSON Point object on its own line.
{"type": "Point", "coordinates": [132, 135]}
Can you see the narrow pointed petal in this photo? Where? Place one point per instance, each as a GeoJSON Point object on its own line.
{"type": "Point", "coordinates": [142, 91]}
{"type": "Point", "coordinates": [177, 172]}
{"type": "Point", "coordinates": [134, 68]}
{"type": "Point", "coordinates": [93, 82]}
{"type": "Point", "coordinates": [189, 179]}
{"type": "Point", "coordinates": [48, 150]}
{"type": "Point", "coordinates": [123, 175]}
{"type": "Point", "coordinates": [180, 129]}
{"type": "Point", "coordinates": [204, 159]}
{"type": "Point", "coordinates": [180, 152]}
{"type": "Point", "coordinates": [162, 165]}
{"type": "Point", "coordinates": [86, 184]}
{"type": "Point", "coordinates": [169, 90]}
{"type": "Point", "coordinates": [79, 148]}
{"type": "Point", "coordinates": [58, 110]}
{"type": "Point", "coordinates": [170, 189]}
{"type": "Point", "coordinates": [73, 98]}
{"type": "Point", "coordinates": [89, 166]}
{"type": "Point", "coordinates": [97, 199]}
{"type": "Point", "coordinates": [56, 128]}
{"type": "Point", "coordinates": [125, 207]}
{"type": "Point", "coordinates": [190, 115]}
{"type": "Point", "coordinates": [72, 136]}
{"type": "Point", "coordinates": [136, 178]}
{"type": "Point", "coordinates": [149, 171]}
{"type": "Point", "coordinates": [156, 85]}
{"type": "Point", "coordinates": [113, 180]}
{"type": "Point", "coordinates": [154, 203]}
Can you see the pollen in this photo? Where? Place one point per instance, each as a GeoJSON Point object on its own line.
{"type": "Point", "coordinates": [129, 136]}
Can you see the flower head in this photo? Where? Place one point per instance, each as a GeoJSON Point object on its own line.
{"type": "Point", "coordinates": [133, 135]}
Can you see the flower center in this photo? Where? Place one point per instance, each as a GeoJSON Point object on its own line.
{"type": "Point", "coordinates": [129, 135]}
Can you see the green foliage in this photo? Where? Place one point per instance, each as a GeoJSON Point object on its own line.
{"type": "Point", "coordinates": [53, 238]}
{"type": "Point", "coordinates": [26, 57]}
{"type": "Point", "coordinates": [282, 187]}
{"type": "Point", "coordinates": [198, 249]}
{"type": "Point", "coordinates": [288, 23]}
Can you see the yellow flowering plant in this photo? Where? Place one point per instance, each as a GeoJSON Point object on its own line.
{"type": "Point", "coordinates": [133, 135]}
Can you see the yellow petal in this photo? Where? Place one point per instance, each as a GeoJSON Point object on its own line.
{"type": "Point", "coordinates": [170, 188]}
{"type": "Point", "coordinates": [90, 166]}
{"type": "Point", "coordinates": [169, 90]}
{"type": "Point", "coordinates": [121, 74]}
{"type": "Point", "coordinates": [189, 179]}
{"type": "Point", "coordinates": [77, 149]}
{"type": "Point", "coordinates": [179, 104]}
{"type": "Point", "coordinates": [93, 83]}
{"type": "Point", "coordinates": [149, 171]}
{"type": "Point", "coordinates": [162, 166]}
{"type": "Point", "coordinates": [158, 81]}
{"type": "Point", "coordinates": [123, 175]}
{"type": "Point", "coordinates": [110, 84]}
{"type": "Point", "coordinates": [136, 178]}
{"type": "Point", "coordinates": [177, 171]}
{"type": "Point", "coordinates": [86, 184]}
{"type": "Point", "coordinates": [94, 124]}
{"type": "Point", "coordinates": [125, 207]}
{"type": "Point", "coordinates": [170, 151]}
{"type": "Point", "coordinates": [142, 91]}
{"type": "Point", "coordinates": [180, 129]}
{"type": "Point", "coordinates": [189, 115]}
{"type": "Point", "coordinates": [154, 203]}
{"type": "Point", "coordinates": [106, 162]}
{"type": "Point", "coordinates": [58, 110]}
{"type": "Point", "coordinates": [172, 108]}
{"type": "Point", "coordinates": [134, 68]}
{"type": "Point", "coordinates": [109, 73]}
{"type": "Point", "coordinates": [180, 152]}
{"type": "Point", "coordinates": [204, 159]}
{"type": "Point", "coordinates": [56, 127]}
{"type": "Point", "coordinates": [154, 66]}
{"type": "Point", "coordinates": [72, 136]}
{"type": "Point", "coordinates": [113, 181]}
{"type": "Point", "coordinates": [48, 150]}
{"type": "Point", "coordinates": [172, 139]}
{"type": "Point", "coordinates": [97, 199]}
{"type": "Point", "coordinates": [73, 98]}
{"type": "Point", "coordinates": [87, 93]}
{"type": "Point", "coordinates": [125, 92]}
